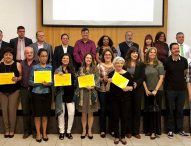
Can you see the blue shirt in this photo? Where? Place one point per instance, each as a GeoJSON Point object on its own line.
{"type": "Point", "coordinates": [39, 88]}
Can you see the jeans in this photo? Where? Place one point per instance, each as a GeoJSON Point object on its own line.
{"type": "Point", "coordinates": [175, 103]}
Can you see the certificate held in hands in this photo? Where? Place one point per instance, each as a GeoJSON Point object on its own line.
{"type": "Point", "coordinates": [62, 80]}
{"type": "Point", "coordinates": [6, 78]}
{"type": "Point", "coordinates": [86, 81]}
{"type": "Point", "coordinates": [42, 76]}
{"type": "Point", "coordinates": [119, 80]}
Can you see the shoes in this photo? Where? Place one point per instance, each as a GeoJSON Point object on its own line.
{"type": "Point", "coordinates": [147, 134]}
{"type": "Point", "coordinates": [116, 141]}
{"type": "Point", "coordinates": [90, 136]}
{"type": "Point", "coordinates": [182, 133]}
{"type": "Point", "coordinates": [102, 135]}
{"type": "Point", "coordinates": [45, 138]}
{"type": "Point", "coordinates": [61, 136]}
{"type": "Point", "coordinates": [138, 136]}
{"type": "Point", "coordinates": [83, 135]}
{"type": "Point", "coordinates": [170, 134]}
{"type": "Point", "coordinates": [153, 136]}
{"type": "Point", "coordinates": [26, 135]}
{"type": "Point", "coordinates": [11, 136]}
{"type": "Point", "coordinates": [6, 135]}
{"type": "Point", "coordinates": [123, 141]}
{"type": "Point", "coordinates": [129, 135]}
{"type": "Point", "coordinates": [69, 136]}
{"type": "Point", "coordinates": [38, 140]}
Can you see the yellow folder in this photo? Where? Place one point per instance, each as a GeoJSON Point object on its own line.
{"type": "Point", "coordinates": [119, 80]}
{"type": "Point", "coordinates": [6, 78]}
{"type": "Point", "coordinates": [42, 76]}
{"type": "Point", "coordinates": [86, 81]}
{"type": "Point", "coordinates": [62, 80]}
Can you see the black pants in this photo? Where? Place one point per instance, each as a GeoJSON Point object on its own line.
{"type": "Point", "coordinates": [120, 116]}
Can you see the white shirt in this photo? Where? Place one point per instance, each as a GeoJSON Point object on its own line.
{"type": "Point", "coordinates": [64, 48]}
{"type": "Point", "coordinates": [40, 46]}
{"type": "Point", "coordinates": [186, 51]}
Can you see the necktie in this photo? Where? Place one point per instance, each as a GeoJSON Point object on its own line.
{"type": "Point", "coordinates": [181, 50]}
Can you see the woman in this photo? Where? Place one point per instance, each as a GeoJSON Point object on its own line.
{"type": "Point", "coordinates": [64, 98]}
{"type": "Point", "coordinates": [137, 71]}
{"type": "Point", "coordinates": [9, 93]}
{"type": "Point", "coordinates": [87, 97]}
{"type": "Point", "coordinates": [104, 42]}
{"type": "Point", "coordinates": [120, 100]}
{"type": "Point", "coordinates": [162, 46]}
{"type": "Point", "coordinates": [41, 96]}
{"type": "Point", "coordinates": [154, 71]}
{"type": "Point", "coordinates": [105, 67]}
{"type": "Point", "coordinates": [148, 42]}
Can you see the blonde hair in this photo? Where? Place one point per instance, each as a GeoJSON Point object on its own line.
{"type": "Point", "coordinates": [147, 60]}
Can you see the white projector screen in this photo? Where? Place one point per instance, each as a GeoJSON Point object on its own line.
{"type": "Point", "coordinates": [103, 12]}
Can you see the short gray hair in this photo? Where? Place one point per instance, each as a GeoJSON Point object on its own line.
{"type": "Point", "coordinates": [118, 59]}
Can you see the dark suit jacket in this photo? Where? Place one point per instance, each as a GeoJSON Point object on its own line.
{"type": "Point", "coordinates": [14, 42]}
{"type": "Point", "coordinates": [58, 53]}
{"type": "Point", "coordinates": [3, 46]}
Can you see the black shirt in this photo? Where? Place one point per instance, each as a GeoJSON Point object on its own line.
{"type": "Point", "coordinates": [174, 77]}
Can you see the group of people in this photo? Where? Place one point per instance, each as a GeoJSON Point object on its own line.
{"type": "Point", "coordinates": [153, 72]}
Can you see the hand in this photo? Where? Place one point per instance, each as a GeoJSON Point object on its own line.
{"type": "Point", "coordinates": [45, 83]}
{"type": "Point", "coordinates": [148, 93]}
{"type": "Point", "coordinates": [134, 85]}
{"type": "Point", "coordinates": [15, 79]}
{"type": "Point", "coordinates": [154, 92]}
{"type": "Point", "coordinates": [109, 80]}
{"type": "Point", "coordinates": [89, 88]}
{"type": "Point", "coordinates": [105, 78]}
{"type": "Point", "coordinates": [128, 88]}
{"type": "Point", "coordinates": [60, 73]}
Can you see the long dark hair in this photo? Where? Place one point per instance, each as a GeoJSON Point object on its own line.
{"type": "Point", "coordinates": [92, 66]}
{"type": "Point", "coordinates": [128, 57]}
{"type": "Point", "coordinates": [158, 36]}
{"type": "Point", "coordinates": [100, 42]}
{"type": "Point", "coordinates": [148, 36]}
{"type": "Point", "coordinates": [70, 66]}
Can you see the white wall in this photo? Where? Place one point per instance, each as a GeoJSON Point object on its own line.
{"type": "Point", "coordinates": [179, 19]}
{"type": "Point", "coordinates": [17, 12]}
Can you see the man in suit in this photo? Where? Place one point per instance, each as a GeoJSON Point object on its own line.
{"type": "Point", "coordinates": [3, 45]}
{"type": "Point", "coordinates": [123, 47]}
{"type": "Point", "coordinates": [40, 43]}
{"type": "Point", "coordinates": [19, 43]}
{"type": "Point", "coordinates": [59, 51]}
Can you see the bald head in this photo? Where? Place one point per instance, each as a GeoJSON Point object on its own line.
{"type": "Point", "coordinates": [29, 53]}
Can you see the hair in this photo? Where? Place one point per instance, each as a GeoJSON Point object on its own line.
{"type": "Point", "coordinates": [70, 66]}
{"type": "Point", "coordinates": [38, 32]}
{"type": "Point", "coordinates": [172, 44]}
{"type": "Point", "coordinates": [118, 59]}
{"type": "Point", "coordinates": [42, 50]}
{"type": "Point", "coordinates": [1, 31]}
{"type": "Point", "coordinates": [128, 56]}
{"type": "Point", "coordinates": [20, 27]}
{"type": "Point", "coordinates": [84, 29]}
{"type": "Point", "coordinates": [8, 49]}
{"type": "Point", "coordinates": [64, 35]}
{"type": "Point", "coordinates": [158, 36]}
{"type": "Point", "coordinates": [148, 36]}
{"type": "Point", "coordinates": [103, 53]}
{"type": "Point", "coordinates": [147, 61]}
{"type": "Point", "coordinates": [92, 66]}
{"type": "Point", "coordinates": [100, 42]}
{"type": "Point", "coordinates": [179, 33]}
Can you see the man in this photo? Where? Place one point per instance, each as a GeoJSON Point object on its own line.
{"type": "Point", "coordinates": [26, 93]}
{"type": "Point", "coordinates": [185, 50]}
{"type": "Point", "coordinates": [84, 46]}
{"type": "Point", "coordinates": [176, 68]}
{"type": "Point", "coordinates": [3, 45]}
{"type": "Point", "coordinates": [59, 51]}
{"type": "Point", "coordinates": [124, 46]}
{"type": "Point", "coordinates": [19, 43]}
{"type": "Point", "coordinates": [40, 43]}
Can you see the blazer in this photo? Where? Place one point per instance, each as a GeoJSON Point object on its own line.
{"type": "Point", "coordinates": [58, 53]}
{"type": "Point", "coordinates": [46, 46]}
{"type": "Point", "coordinates": [3, 46]}
{"type": "Point", "coordinates": [14, 42]}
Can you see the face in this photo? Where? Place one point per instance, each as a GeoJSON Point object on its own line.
{"type": "Point", "coordinates": [180, 38]}
{"type": "Point", "coordinates": [65, 40]}
{"type": "Point", "coordinates": [119, 65]}
{"type": "Point", "coordinates": [105, 41]}
{"type": "Point", "coordinates": [65, 60]}
{"type": "Point", "coordinates": [21, 33]}
{"type": "Point", "coordinates": [29, 54]}
{"type": "Point", "coordinates": [85, 34]}
{"type": "Point", "coordinates": [8, 57]}
{"type": "Point", "coordinates": [1, 36]}
{"type": "Point", "coordinates": [129, 36]}
{"type": "Point", "coordinates": [152, 54]}
{"type": "Point", "coordinates": [43, 57]}
{"type": "Point", "coordinates": [148, 42]}
{"type": "Point", "coordinates": [40, 36]}
{"type": "Point", "coordinates": [162, 38]}
{"type": "Point", "coordinates": [175, 50]}
{"type": "Point", "coordinates": [107, 56]}
{"type": "Point", "coordinates": [134, 55]}
{"type": "Point", "coordinates": [88, 59]}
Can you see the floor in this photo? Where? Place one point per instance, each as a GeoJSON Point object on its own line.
{"type": "Point", "coordinates": [97, 141]}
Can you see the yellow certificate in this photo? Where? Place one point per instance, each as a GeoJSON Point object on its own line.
{"type": "Point", "coordinates": [86, 81]}
{"type": "Point", "coordinates": [6, 78]}
{"type": "Point", "coordinates": [62, 80]}
{"type": "Point", "coordinates": [42, 76]}
{"type": "Point", "coordinates": [119, 80]}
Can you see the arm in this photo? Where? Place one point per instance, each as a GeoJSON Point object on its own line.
{"type": "Point", "coordinates": [19, 67]}
{"type": "Point", "coordinates": [93, 50]}
{"type": "Point", "coordinates": [161, 78]}
{"type": "Point", "coordinates": [118, 51]}
{"type": "Point", "coordinates": [76, 53]}
{"type": "Point", "coordinates": [141, 75]}
{"type": "Point", "coordinates": [146, 89]}
{"type": "Point", "coordinates": [97, 57]}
